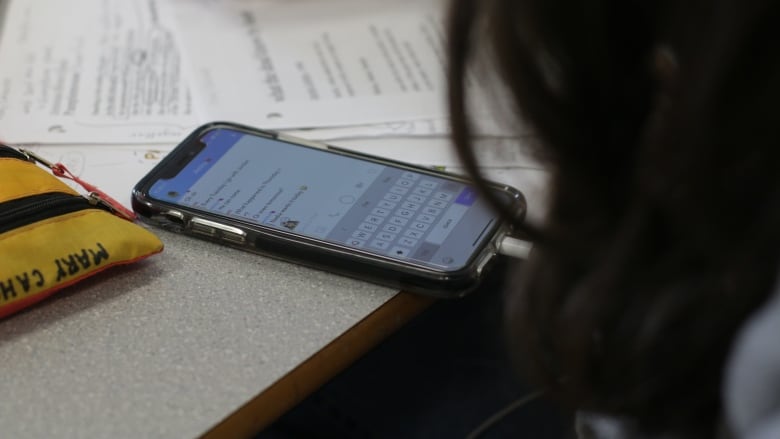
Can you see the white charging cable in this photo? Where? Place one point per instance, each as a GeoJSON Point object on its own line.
{"type": "Point", "coordinates": [515, 247]}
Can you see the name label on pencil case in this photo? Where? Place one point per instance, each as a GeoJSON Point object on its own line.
{"type": "Point", "coordinates": [60, 270]}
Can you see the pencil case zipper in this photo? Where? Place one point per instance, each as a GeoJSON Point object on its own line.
{"type": "Point", "coordinates": [24, 211]}
{"type": "Point", "coordinates": [27, 210]}
{"type": "Point", "coordinates": [8, 152]}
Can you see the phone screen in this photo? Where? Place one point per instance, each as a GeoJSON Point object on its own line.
{"type": "Point", "coordinates": [382, 209]}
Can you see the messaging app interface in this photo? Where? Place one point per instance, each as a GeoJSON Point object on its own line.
{"type": "Point", "coordinates": [364, 205]}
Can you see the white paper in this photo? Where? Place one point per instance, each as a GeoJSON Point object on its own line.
{"type": "Point", "coordinates": [314, 63]}
{"type": "Point", "coordinates": [102, 71]}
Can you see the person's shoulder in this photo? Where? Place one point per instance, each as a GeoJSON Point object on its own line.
{"type": "Point", "coordinates": [751, 390]}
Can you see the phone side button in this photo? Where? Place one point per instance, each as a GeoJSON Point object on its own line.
{"type": "Point", "coordinates": [174, 216]}
{"type": "Point", "coordinates": [202, 229]}
{"type": "Point", "coordinates": [238, 238]}
{"type": "Point", "coordinates": [214, 229]}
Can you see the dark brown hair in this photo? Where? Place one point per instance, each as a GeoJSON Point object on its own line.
{"type": "Point", "coordinates": [659, 124]}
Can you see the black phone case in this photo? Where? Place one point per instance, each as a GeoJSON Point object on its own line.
{"type": "Point", "coordinates": [315, 253]}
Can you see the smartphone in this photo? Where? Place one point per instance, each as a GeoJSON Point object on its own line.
{"type": "Point", "coordinates": [406, 226]}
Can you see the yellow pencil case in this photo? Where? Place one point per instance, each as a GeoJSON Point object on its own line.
{"type": "Point", "coordinates": [52, 237]}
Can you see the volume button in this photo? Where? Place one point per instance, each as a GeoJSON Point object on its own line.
{"type": "Point", "coordinates": [200, 227]}
{"type": "Point", "coordinates": [215, 229]}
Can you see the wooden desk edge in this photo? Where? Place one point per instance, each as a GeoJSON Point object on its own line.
{"type": "Point", "coordinates": [299, 383]}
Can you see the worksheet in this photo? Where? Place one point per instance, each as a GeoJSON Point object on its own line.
{"type": "Point", "coordinates": [314, 63]}
{"type": "Point", "coordinates": [98, 71]}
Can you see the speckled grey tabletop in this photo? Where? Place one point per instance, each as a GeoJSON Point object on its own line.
{"type": "Point", "coordinates": [170, 346]}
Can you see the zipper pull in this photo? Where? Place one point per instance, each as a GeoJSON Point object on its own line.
{"type": "Point", "coordinates": [96, 196]}
{"type": "Point", "coordinates": [35, 158]}
{"type": "Point", "coordinates": [96, 199]}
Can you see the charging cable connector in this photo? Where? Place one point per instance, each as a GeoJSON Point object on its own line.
{"type": "Point", "coordinates": [515, 247]}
